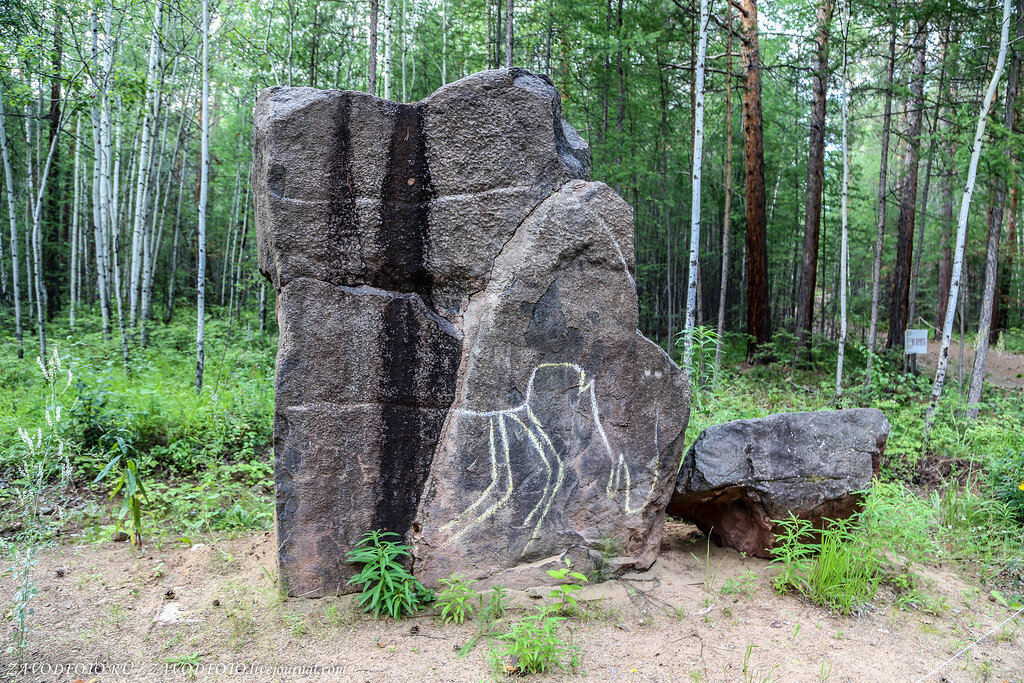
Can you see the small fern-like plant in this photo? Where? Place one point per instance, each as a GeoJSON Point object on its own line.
{"type": "Point", "coordinates": [388, 587]}
{"type": "Point", "coordinates": [457, 599]}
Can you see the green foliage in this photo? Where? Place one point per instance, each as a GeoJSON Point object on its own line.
{"type": "Point", "coordinates": [388, 588]}
{"type": "Point", "coordinates": [204, 460]}
{"type": "Point", "coordinates": [133, 493]}
{"type": "Point", "coordinates": [838, 567]}
{"type": "Point", "coordinates": [21, 607]}
{"type": "Point", "coordinates": [744, 584]}
{"type": "Point", "coordinates": [457, 599]}
{"type": "Point", "coordinates": [562, 594]}
{"type": "Point", "coordinates": [1005, 478]}
{"type": "Point", "coordinates": [490, 610]}
{"type": "Point", "coordinates": [533, 645]}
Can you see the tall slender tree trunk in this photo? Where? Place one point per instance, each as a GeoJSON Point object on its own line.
{"type": "Point", "coordinates": [882, 209]}
{"type": "Point", "coordinates": [508, 33]}
{"type": "Point", "coordinates": [961, 233]}
{"type": "Point", "coordinates": [371, 67]}
{"type": "Point", "coordinates": [844, 248]}
{"type": "Point", "coordinates": [988, 294]}
{"type": "Point", "coordinates": [36, 206]}
{"type": "Point", "coordinates": [174, 245]}
{"type": "Point", "coordinates": [143, 169]}
{"type": "Point", "coordinates": [727, 203]}
{"type": "Point", "coordinates": [758, 312]}
{"type": "Point", "coordinates": [263, 307]}
{"type": "Point", "coordinates": [73, 274]}
{"type": "Point", "coordinates": [815, 183]}
{"type": "Point", "coordinates": [387, 49]}
{"type": "Point", "coordinates": [899, 303]}
{"type": "Point", "coordinates": [910, 361]}
{"type": "Point", "coordinates": [945, 270]}
{"type": "Point", "coordinates": [204, 188]}
{"type": "Point", "coordinates": [229, 238]}
{"type": "Point", "coordinates": [444, 43]}
{"type": "Point", "coordinates": [12, 217]}
{"type": "Point", "coordinates": [698, 157]}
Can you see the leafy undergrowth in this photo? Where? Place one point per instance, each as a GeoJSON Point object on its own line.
{"type": "Point", "coordinates": [203, 461]}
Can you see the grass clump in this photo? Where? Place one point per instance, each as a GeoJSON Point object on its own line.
{"type": "Point", "coordinates": [388, 587]}
{"type": "Point", "coordinates": [838, 567]}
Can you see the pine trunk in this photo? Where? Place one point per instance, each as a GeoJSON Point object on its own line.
{"type": "Point", "coordinates": [758, 320]}
{"type": "Point", "coordinates": [815, 184]}
{"type": "Point", "coordinates": [900, 300]}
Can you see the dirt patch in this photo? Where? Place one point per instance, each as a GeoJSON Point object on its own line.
{"type": "Point", "coordinates": [1004, 370]}
{"type": "Point", "coordinates": [98, 606]}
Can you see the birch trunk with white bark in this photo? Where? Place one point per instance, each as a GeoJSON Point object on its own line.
{"type": "Point", "coordinates": [961, 232]}
{"type": "Point", "coordinates": [204, 176]}
{"type": "Point", "coordinates": [143, 169]}
{"type": "Point", "coordinates": [698, 157]}
{"type": "Point", "coordinates": [12, 217]}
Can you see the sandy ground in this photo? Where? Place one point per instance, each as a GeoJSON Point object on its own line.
{"type": "Point", "coordinates": [96, 608]}
{"type": "Point", "coordinates": [1004, 370]}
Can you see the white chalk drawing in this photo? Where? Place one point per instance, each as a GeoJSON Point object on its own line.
{"type": "Point", "coordinates": [522, 418]}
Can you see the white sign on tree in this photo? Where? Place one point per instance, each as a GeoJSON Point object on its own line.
{"type": "Point", "coordinates": [915, 341]}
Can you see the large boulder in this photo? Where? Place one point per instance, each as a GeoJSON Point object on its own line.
{"type": "Point", "coordinates": [740, 476]}
{"type": "Point", "coordinates": [458, 360]}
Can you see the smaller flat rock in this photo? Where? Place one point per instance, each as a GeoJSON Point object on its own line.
{"type": "Point", "coordinates": [740, 476]}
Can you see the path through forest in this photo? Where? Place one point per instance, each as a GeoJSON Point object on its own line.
{"type": "Point", "coordinates": [1004, 370]}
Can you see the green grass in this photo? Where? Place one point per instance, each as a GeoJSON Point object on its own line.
{"type": "Point", "coordinates": [204, 459]}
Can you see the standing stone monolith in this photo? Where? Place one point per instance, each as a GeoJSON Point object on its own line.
{"type": "Point", "coordinates": [459, 360]}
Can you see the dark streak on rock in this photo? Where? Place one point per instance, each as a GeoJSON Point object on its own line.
{"type": "Point", "coordinates": [341, 218]}
{"type": "Point", "coordinates": [406, 196]}
{"type": "Point", "coordinates": [409, 429]}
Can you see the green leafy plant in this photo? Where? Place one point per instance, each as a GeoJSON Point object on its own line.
{"type": "Point", "coordinates": [743, 584]}
{"type": "Point", "coordinates": [457, 599]}
{"type": "Point", "coordinates": [491, 609]}
{"type": "Point", "coordinates": [21, 608]}
{"type": "Point", "coordinates": [838, 567]}
{"type": "Point", "coordinates": [533, 645]}
{"type": "Point", "coordinates": [562, 594]}
{"type": "Point", "coordinates": [705, 340]}
{"type": "Point", "coordinates": [388, 588]}
{"type": "Point", "coordinates": [134, 492]}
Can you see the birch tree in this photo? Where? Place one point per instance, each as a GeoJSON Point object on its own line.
{"type": "Point", "coordinates": [961, 231]}
{"type": "Point", "coordinates": [387, 49]}
{"type": "Point", "coordinates": [73, 274]}
{"type": "Point", "coordinates": [988, 295]}
{"type": "Point", "coordinates": [204, 191]}
{"type": "Point", "coordinates": [728, 191]}
{"type": "Point", "coordinates": [12, 217]}
{"type": "Point", "coordinates": [371, 59]}
{"type": "Point", "coordinates": [698, 155]}
{"type": "Point", "coordinates": [143, 169]}
{"type": "Point", "coordinates": [508, 33]}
